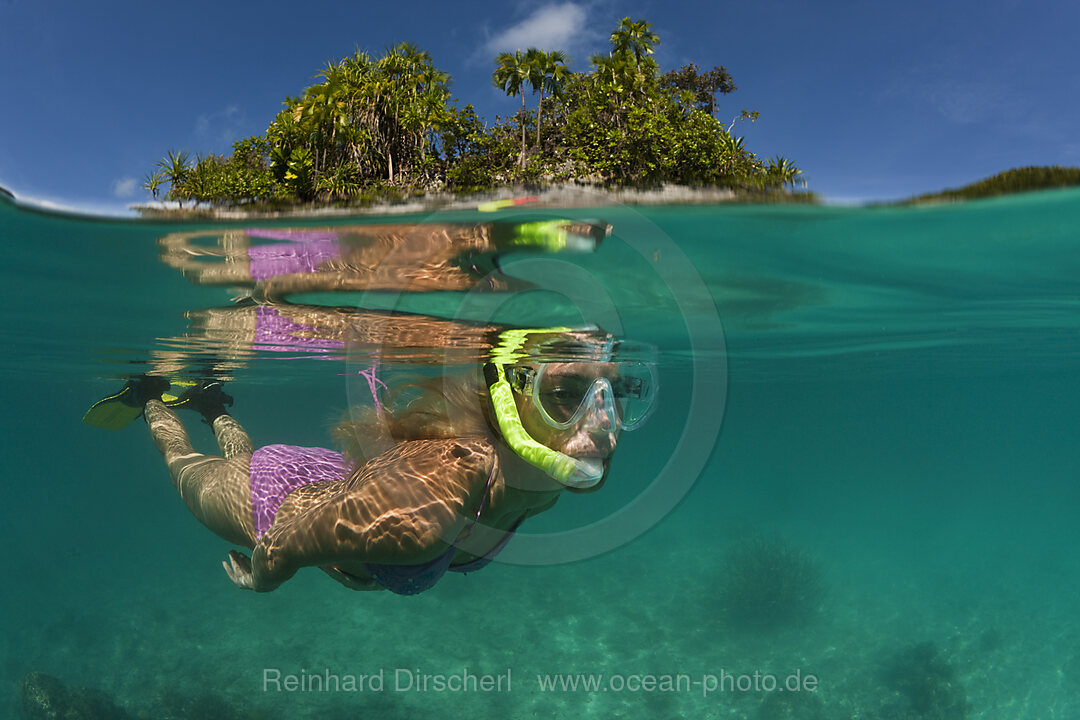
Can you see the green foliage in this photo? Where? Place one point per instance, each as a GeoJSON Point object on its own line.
{"type": "Point", "coordinates": [1011, 181]}
{"type": "Point", "coordinates": [175, 168]}
{"type": "Point", "coordinates": [340, 182]}
{"type": "Point", "coordinates": [377, 126]}
{"type": "Point", "coordinates": [634, 39]}
{"type": "Point", "coordinates": [468, 147]}
{"type": "Point", "coordinates": [152, 182]}
{"type": "Point", "coordinates": [702, 86]}
{"type": "Point", "coordinates": [769, 584]}
{"type": "Point", "coordinates": [512, 73]}
{"type": "Point", "coordinates": [779, 171]}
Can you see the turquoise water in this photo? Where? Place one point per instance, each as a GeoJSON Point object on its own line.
{"type": "Point", "coordinates": [889, 393]}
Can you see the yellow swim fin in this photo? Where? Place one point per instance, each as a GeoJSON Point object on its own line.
{"type": "Point", "coordinates": [117, 411]}
{"type": "Point", "coordinates": [112, 413]}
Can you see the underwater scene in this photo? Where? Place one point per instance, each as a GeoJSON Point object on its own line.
{"type": "Point", "coordinates": [710, 461]}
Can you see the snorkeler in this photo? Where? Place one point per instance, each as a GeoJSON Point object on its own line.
{"type": "Point", "coordinates": [454, 472]}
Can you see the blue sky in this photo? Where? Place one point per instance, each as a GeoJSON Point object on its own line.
{"type": "Point", "coordinates": [873, 100]}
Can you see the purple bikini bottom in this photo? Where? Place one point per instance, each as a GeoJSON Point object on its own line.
{"type": "Point", "coordinates": [277, 470]}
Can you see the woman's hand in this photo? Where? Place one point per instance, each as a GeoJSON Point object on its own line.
{"type": "Point", "coordinates": [238, 566]}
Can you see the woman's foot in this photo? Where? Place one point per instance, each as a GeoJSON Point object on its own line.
{"type": "Point", "coordinates": [207, 397]}
{"type": "Point", "coordinates": [138, 390]}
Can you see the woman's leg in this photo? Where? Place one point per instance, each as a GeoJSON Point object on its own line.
{"type": "Point", "coordinates": [217, 490]}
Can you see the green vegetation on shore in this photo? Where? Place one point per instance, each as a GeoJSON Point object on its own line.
{"type": "Point", "coordinates": [384, 128]}
{"type": "Point", "coordinates": [1017, 180]}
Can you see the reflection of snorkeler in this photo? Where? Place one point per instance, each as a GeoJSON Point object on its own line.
{"type": "Point", "coordinates": [400, 257]}
{"type": "Point", "coordinates": [221, 340]}
{"type": "Point", "coordinates": [457, 469]}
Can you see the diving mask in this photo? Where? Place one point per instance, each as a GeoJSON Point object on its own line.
{"type": "Point", "coordinates": [622, 394]}
{"type": "Point", "coordinates": [626, 398]}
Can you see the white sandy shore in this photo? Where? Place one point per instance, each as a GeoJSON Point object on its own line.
{"type": "Point", "coordinates": [569, 195]}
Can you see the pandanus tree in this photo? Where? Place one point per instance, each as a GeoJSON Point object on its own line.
{"type": "Point", "coordinates": [781, 171]}
{"type": "Point", "coordinates": [511, 75]}
{"type": "Point", "coordinates": [412, 94]}
{"type": "Point", "coordinates": [373, 115]}
{"type": "Point", "coordinates": [152, 182]}
{"type": "Point", "coordinates": [176, 168]}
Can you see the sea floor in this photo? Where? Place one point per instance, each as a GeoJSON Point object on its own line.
{"type": "Point", "coordinates": [892, 640]}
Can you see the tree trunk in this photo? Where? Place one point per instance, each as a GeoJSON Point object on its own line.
{"type": "Point", "coordinates": [539, 110]}
{"type": "Point", "coordinates": [521, 158]}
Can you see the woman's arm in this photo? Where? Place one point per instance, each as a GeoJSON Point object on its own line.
{"type": "Point", "coordinates": [404, 507]}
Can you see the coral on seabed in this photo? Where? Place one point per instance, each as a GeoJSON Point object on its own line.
{"type": "Point", "coordinates": [924, 684]}
{"type": "Point", "coordinates": [44, 697]}
{"type": "Point", "coordinates": [768, 584]}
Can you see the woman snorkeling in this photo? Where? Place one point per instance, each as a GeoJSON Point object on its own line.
{"type": "Point", "coordinates": [443, 479]}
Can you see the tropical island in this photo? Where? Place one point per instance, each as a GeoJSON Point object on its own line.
{"type": "Point", "coordinates": [1010, 182]}
{"type": "Point", "coordinates": [385, 129]}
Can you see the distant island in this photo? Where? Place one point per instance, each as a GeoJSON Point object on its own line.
{"type": "Point", "coordinates": [1017, 180]}
{"type": "Point", "coordinates": [385, 129]}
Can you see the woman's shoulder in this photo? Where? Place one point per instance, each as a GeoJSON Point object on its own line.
{"type": "Point", "coordinates": [460, 459]}
{"type": "Point", "coordinates": [454, 451]}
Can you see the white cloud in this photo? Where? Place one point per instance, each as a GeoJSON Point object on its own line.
{"type": "Point", "coordinates": [220, 128]}
{"type": "Point", "coordinates": [125, 187]}
{"type": "Point", "coordinates": [967, 103]}
{"type": "Point", "coordinates": [962, 96]}
{"type": "Point", "coordinates": [562, 26]}
{"type": "Point", "coordinates": [75, 207]}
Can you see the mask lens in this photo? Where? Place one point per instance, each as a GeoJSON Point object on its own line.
{"type": "Point", "coordinates": [561, 394]}
{"type": "Point", "coordinates": [635, 390]}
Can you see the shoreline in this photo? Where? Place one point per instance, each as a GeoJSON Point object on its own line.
{"type": "Point", "coordinates": [562, 196]}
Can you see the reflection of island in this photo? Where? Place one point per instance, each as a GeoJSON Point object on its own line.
{"type": "Point", "coordinates": [389, 257]}
{"type": "Point", "coordinates": [222, 340]}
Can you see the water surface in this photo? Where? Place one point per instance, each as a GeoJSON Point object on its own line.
{"type": "Point", "coordinates": [898, 402]}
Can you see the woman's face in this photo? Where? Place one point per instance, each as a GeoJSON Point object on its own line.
{"type": "Point", "coordinates": [595, 434]}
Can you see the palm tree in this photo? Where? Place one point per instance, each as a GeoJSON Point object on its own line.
{"type": "Point", "coordinates": [547, 73]}
{"type": "Point", "coordinates": [511, 74]}
{"type": "Point", "coordinates": [634, 38]}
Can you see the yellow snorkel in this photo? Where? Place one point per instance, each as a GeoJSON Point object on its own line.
{"type": "Point", "coordinates": [563, 468]}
